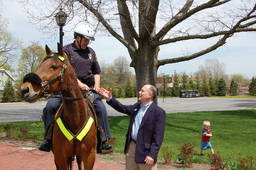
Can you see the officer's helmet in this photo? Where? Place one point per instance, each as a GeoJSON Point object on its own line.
{"type": "Point", "coordinates": [84, 31]}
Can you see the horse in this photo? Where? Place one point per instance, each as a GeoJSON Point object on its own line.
{"type": "Point", "coordinates": [54, 75]}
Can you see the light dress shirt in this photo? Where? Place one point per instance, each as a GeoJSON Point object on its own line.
{"type": "Point", "coordinates": [138, 119]}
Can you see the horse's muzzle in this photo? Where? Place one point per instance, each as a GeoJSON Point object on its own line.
{"type": "Point", "coordinates": [33, 78]}
{"type": "Point", "coordinates": [30, 90]}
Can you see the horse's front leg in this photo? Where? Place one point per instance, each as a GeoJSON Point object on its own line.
{"type": "Point", "coordinates": [61, 164]}
{"type": "Point", "coordinates": [60, 149]}
{"type": "Point", "coordinates": [89, 159]}
{"type": "Point", "coordinates": [88, 146]}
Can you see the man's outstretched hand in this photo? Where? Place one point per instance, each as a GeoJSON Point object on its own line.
{"type": "Point", "coordinates": [105, 93]}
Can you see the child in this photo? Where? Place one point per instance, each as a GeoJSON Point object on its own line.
{"type": "Point", "coordinates": [205, 142]}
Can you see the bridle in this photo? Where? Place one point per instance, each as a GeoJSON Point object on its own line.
{"type": "Point", "coordinates": [46, 84]}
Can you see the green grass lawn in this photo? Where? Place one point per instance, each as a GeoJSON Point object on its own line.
{"type": "Point", "coordinates": [234, 132]}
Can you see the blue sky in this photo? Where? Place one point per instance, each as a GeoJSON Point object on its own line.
{"type": "Point", "coordinates": [239, 53]}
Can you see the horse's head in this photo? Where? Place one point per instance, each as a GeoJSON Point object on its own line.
{"type": "Point", "coordinates": [48, 77]}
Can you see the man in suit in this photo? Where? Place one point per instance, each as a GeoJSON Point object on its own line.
{"type": "Point", "coordinates": [146, 128]}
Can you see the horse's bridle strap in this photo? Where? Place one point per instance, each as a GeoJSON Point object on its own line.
{"type": "Point", "coordinates": [60, 75]}
{"type": "Point", "coordinates": [70, 136]}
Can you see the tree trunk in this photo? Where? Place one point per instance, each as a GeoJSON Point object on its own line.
{"type": "Point", "coordinates": [145, 64]}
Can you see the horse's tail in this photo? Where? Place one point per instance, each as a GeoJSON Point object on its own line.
{"type": "Point", "coordinates": [70, 160]}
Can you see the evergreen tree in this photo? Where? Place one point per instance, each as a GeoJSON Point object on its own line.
{"type": "Point", "coordinates": [192, 84]}
{"type": "Point", "coordinates": [176, 86]}
{"type": "Point", "coordinates": [120, 92]}
{"type": "Point", "coordinates": [233, 88]}
{"type": "Point", "coordinates": [212, 87]}
{"type": "Point", "coordinates": [216, 82]}
{"type": "Point", "coordinates": [205, 86]}
{"type": "Point", "coordinates": [134, 91]}
{"type": "Point", "coordinates": [185, 82]}
{"type": "Point", "coordinates": [128, 89]}
{"type": "Point", "coordinates": [8, 94]}
{"type": "Point", "coordinates": [221, 90]}
{"type": "Point", "coordinates": [198, 83]}
{"type": "Point", "coordinates": [252, 87]}
{"type": "Point", "coordinates": [115, 93]}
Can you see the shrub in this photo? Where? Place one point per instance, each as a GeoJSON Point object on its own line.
{"type": "Point", "coordinates": [167, 153]}
{"type": "Point", "coordinates": [245, 162]}
{"type": "Point", "coordinates": [8, 128]}
{"type": "Point", "coordinates": [24, 131]}
{"type": "Point", "coordinates": [232, 164]}
{"type": "Point", "coordinates": [216, 161]}
{"type": "Point", "coordinates": [186, 154]}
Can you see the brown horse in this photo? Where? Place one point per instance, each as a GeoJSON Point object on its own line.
{"type": "Point", "coordinates": [55, 74]}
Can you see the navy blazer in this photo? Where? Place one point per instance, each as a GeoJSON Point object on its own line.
{"type": "Point", "coordinates": [151, 131]}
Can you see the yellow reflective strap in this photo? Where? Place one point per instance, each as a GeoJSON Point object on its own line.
{"type": "Point", "coordinates": [64, 129]}
{"type": "Point", "coordinates": [61, 58]}
{"type": "Point", "coordinates": [85, 130]}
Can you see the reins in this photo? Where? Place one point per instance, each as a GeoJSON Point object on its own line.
{"type": "Point", "coordinates": [57, 96]}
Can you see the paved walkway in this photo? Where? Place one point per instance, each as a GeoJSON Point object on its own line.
{"type": "Point", "coordinates": [14, 157]}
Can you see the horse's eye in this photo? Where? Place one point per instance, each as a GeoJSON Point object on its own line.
{"type": "Point", "coordinates": [54, 67]}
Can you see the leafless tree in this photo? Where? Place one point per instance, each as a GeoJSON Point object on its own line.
{"type": "Point", "coordinates": [212, 68]}
{"type": "Point", "coordinates": [30, 58]}
{"type": "Point", "coordinates": [121, 66]}
{"type": "Point", "coordinates": [117, 73]}
{"type": "Point", "coordinates": [143, 26]}
{"type": "Point", "coordinates": [8, 44]}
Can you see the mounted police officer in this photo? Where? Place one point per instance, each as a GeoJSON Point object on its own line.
{"type": "Point", "coordinates": [85, 63]}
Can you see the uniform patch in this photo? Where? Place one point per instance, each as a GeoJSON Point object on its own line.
{"type": "Point", "coordinates": [90, 56]}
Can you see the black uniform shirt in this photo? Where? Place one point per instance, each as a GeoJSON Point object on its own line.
{"type": "Point", "coordinates": [84, 62]}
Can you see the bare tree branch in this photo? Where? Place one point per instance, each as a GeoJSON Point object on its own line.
{"type": "Point", "coordinates": [125, 14]}
{"type": "Point", "coordinates": [185, 21]}
{"type": "Point", "coordinates": [221, 42]}
{"type": "Point", "coordinates": [203, 36]}
{"type": "Point", "coordinates": [127, 26]}
{"type": "Point", "coordinates": [185, 13]}
{"type": "Point", "coordinates": [239, 28]}
{"type": "Point", "coordinates": [86, 4]}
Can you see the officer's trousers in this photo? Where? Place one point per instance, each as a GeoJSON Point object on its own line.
{"type": "Point", "coordinates": [54, 103]}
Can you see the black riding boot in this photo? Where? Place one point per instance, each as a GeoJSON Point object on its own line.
{"type": "Point", "coordinates": [47, 145]}
{"type": "Point", "coordinates": [102, 147]}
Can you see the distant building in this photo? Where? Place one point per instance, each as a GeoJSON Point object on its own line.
{"type": "Point", "coordinates": [243, 89]}
{"type": "Point", "coordinates": [160, 81]}
{"type": "Point", "coordinates": [5, 76]}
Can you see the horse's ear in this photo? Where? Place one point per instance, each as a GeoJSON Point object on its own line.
{"type": "Point", "coordinates": [47, 49]}
{"type": "Point", "coordinates": [60, 50]}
